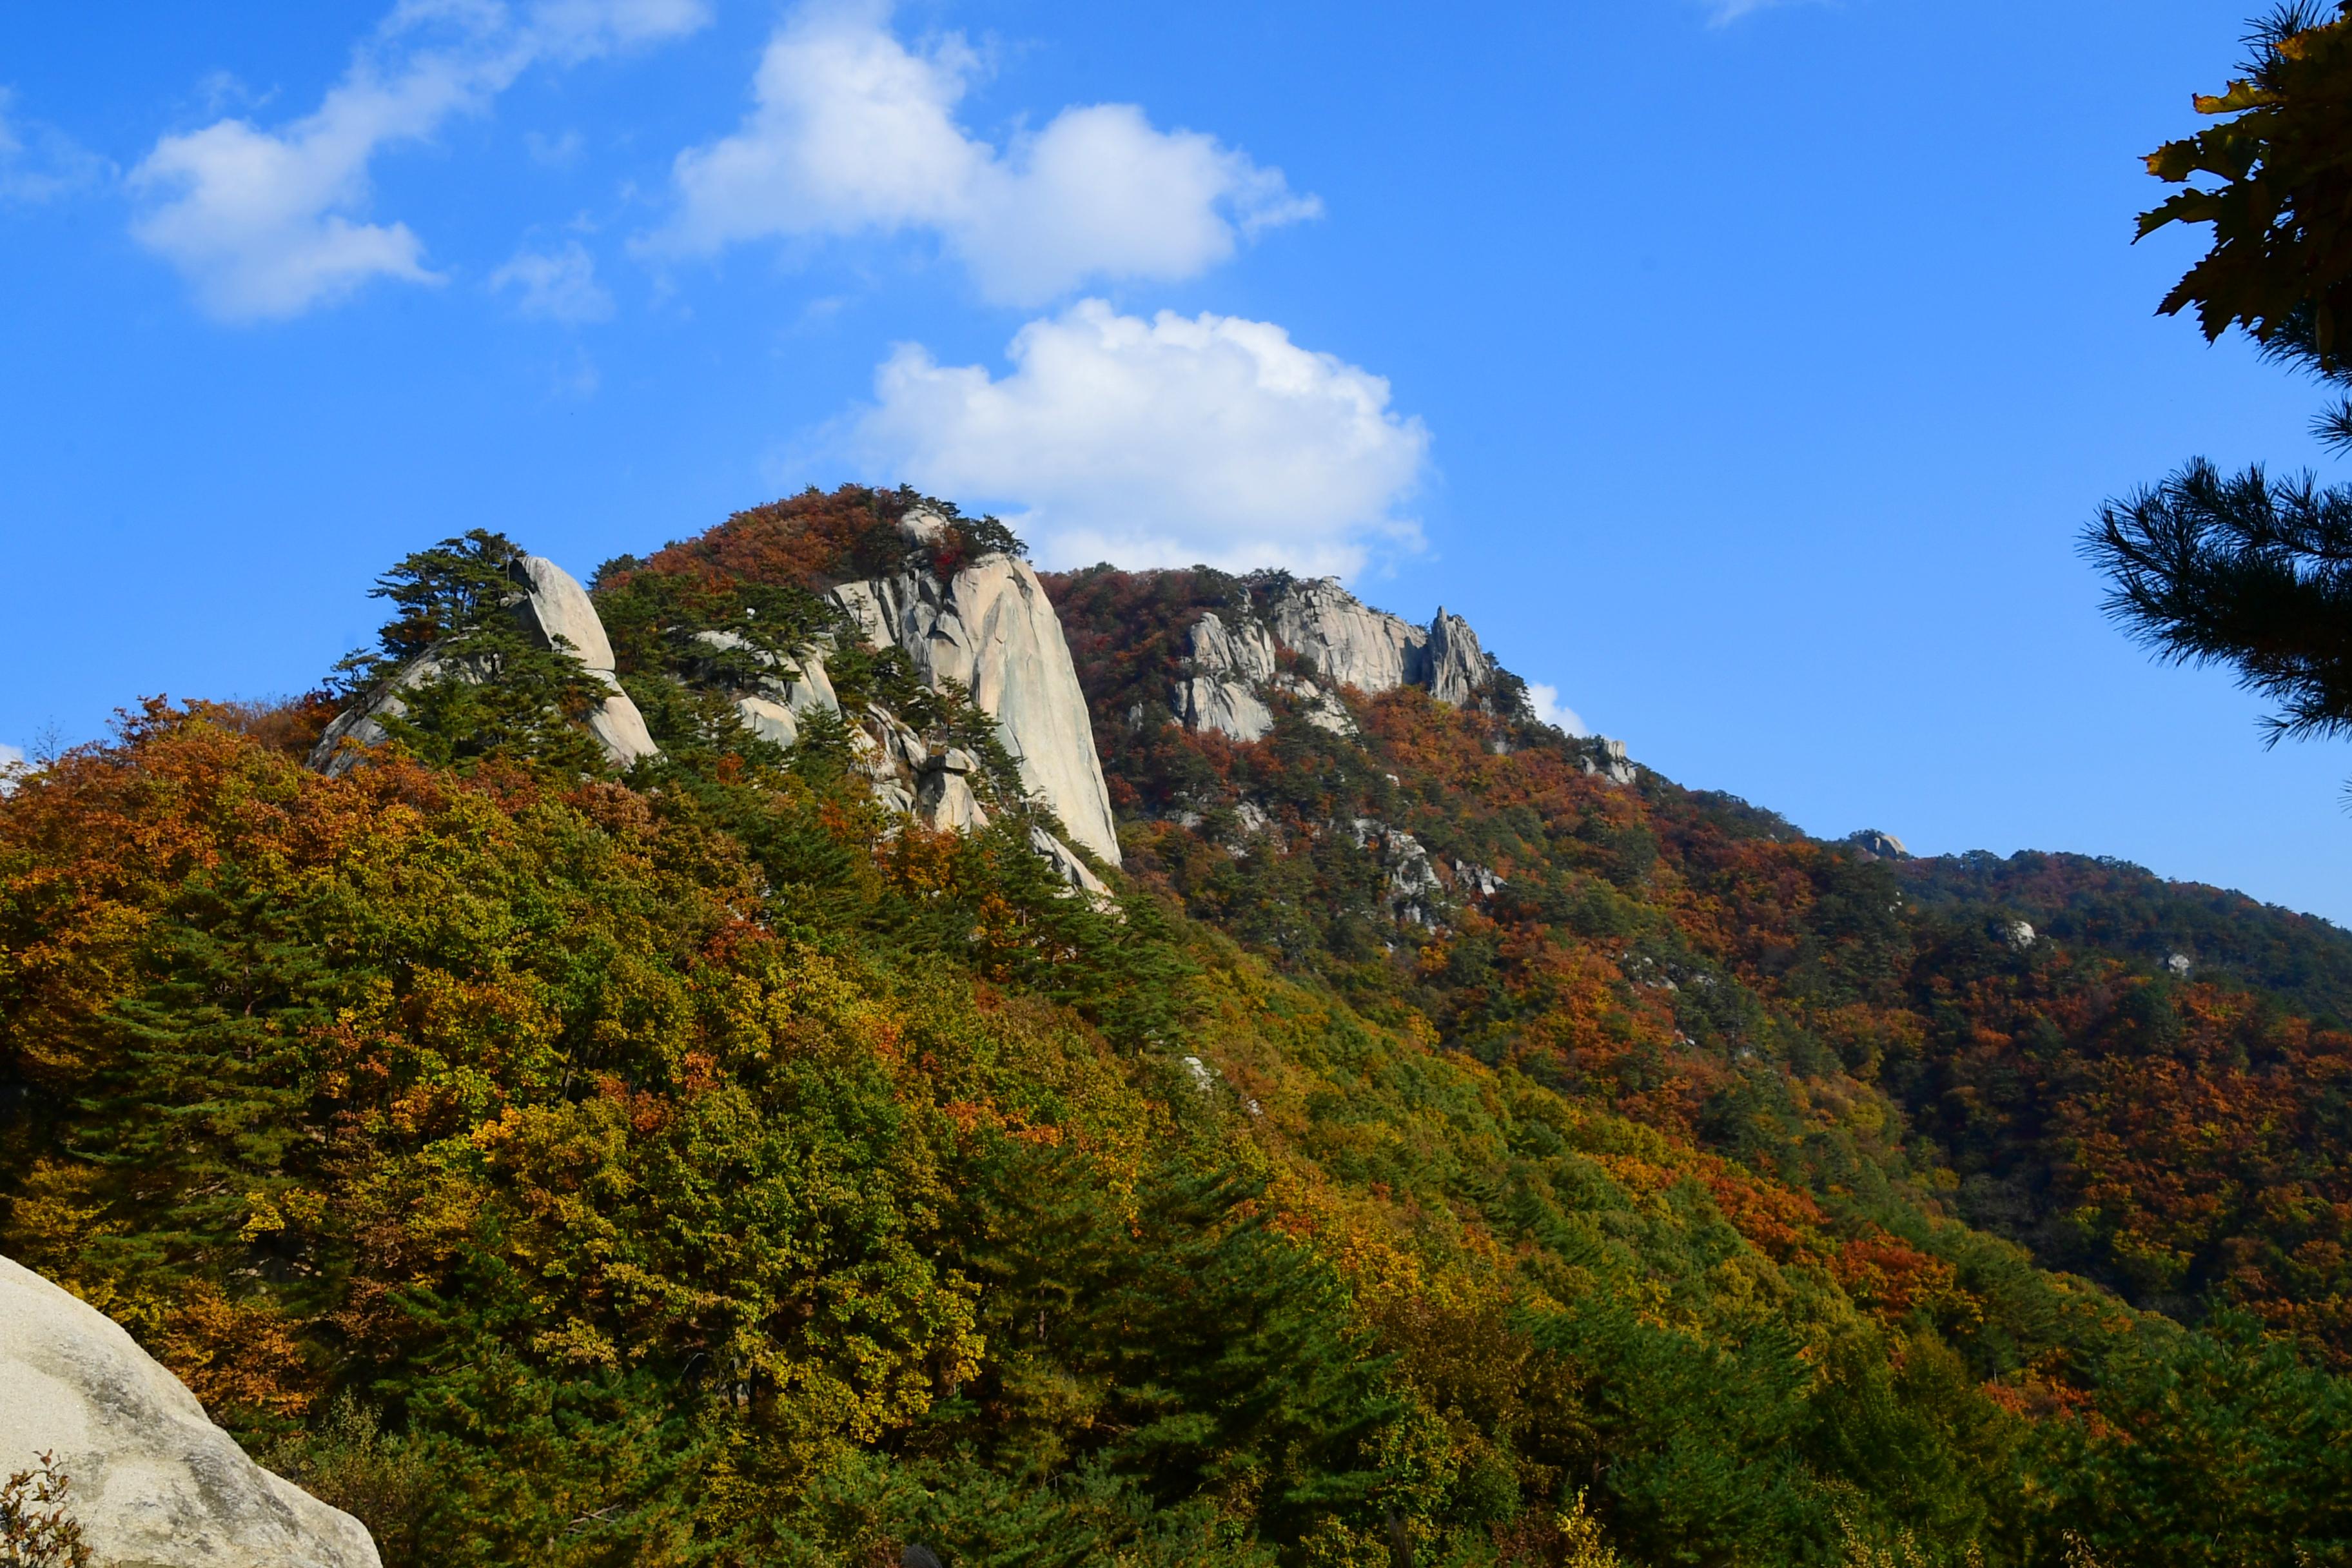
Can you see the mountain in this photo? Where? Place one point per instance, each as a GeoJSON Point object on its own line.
{"type": "Point", "coordinates": [1164, 1068]}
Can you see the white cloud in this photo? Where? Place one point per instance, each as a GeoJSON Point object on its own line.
{"type": "Point", "coordinates": [38, 163]}
{"type": "Point", "coordinates": [854, 133]}
{"type": "Point", "coordinates": [1157, 443]}
{"type": "Point", "coordinates": [1549, 707]}
{"type": "Point", "coordinates": [268, 224]}
{"type": "Point", "coordinates": [557, 286]}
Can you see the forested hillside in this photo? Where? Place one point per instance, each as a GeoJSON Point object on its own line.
{"type": "Point", "coordinates": [1431, 1148]}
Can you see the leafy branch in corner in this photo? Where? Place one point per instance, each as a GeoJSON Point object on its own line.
{"type": "Point", "coordinates": [2240, 570]}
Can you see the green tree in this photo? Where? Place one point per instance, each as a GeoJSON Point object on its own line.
{"type": "Point", "coordinates": [2248, 570]}
{"type": "Point", "coordinates": [474, 681]}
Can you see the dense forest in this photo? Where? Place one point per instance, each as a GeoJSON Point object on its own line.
{"type": "Point", "coordinates": [704, 1165]}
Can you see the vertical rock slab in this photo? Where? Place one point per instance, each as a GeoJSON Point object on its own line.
{"type": "Point", "coordinates": [1458, 666]}
{"type": "Point", "coordinates": [992, 631]}
{"type": "Point", "coordinates": [554, 607]}
{"type": "Point", "coordinates": [154, 1484]}
{"type": "Point", "coordinates": [558, 609]}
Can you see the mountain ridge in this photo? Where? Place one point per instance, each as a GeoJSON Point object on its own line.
{"type": "Point", "coordinates": [1435, 1135]}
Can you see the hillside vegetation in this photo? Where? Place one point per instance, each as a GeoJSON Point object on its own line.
{"type": "Point", "coordinates": [705, 1166]}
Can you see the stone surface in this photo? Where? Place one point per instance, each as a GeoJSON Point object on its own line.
{"type": "Point", "coordinates": [2019, 934]}
{"type": "Point", "coordinates": [1345, 640]}
{"type": "Point", "coordinates": [551, 604]}
{"type": "Point", "coordinates": [947, 803]}
{"type": "Point", "coordinates": [344, 743]}
{"type": "Point", "coordinates": [1457, 668]}
{"type": "Point", "coordinates": [769, 719]}
{"type": "Point", "coordinates": [993, 630]}
{"type": "Point", "coordinates": [154, 1482]}
{"type": "Point", "coordinates": [1067, 865]}
{"type": "Point", "coordinates": [1885, 845]}
{"type": "Point", "coordinates": [1607, 758]}
{"type": "Point", "coordinates": [557, 607]}
{"type": "Point", "coordinates": [1228, 707]}
{"type": "Point", "coordinates": [1243, 651]}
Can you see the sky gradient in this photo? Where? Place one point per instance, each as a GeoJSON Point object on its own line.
{"type": "Point", "coordinates": [1745, 377]}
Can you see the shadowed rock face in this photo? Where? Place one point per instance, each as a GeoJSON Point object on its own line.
{"type": "Point", "coordinates": [993, 630]}
{"type": "Point", "coordinates": [154, 1484]}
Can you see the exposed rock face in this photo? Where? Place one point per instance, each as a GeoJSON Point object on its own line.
{"type": "Point", "coordinates": [774, 711]}
{"type": "Point", "coordinates": [993, 630]}
{"type": "Point", "coordinates": [1067, 865]}
{"type": "Point", "coordinates": [1347, 642]}
{"type": "Point", "coordinates": [550, 604]}
{"type": "Point", "coordinates": [1235, 660]}
{"type": "Point", "coordinates": [1456, 667]}
{"type": "Point", "coordinates": [2019, 934]}
{"type": "Point", "coordinates": [154, 1483]}
{"type": "Point", "coordinates": [1607, 758]}
{"type": "Point", "coordinates": [1227, 665]}
{"type": "Point", "coordinates": [1245, 652]}
{"type": "Point", "coordinates": [1884, 845]}
{"type": "Point", "coordinates": [945, 796]}
{"type": "Point", "coordinates": [1413, 888]}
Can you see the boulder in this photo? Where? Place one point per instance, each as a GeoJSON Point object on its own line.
{"type": "Point", "coordinates": [944, 795]}
{"type": "Point", "coordinates": [803, 686]}
{"type": "Point", "coordinates": [558, 609]}
{"type": "Point", "coordinates": [1883, 845]}
{"type": "Point", "coordinates": [153, 1483]}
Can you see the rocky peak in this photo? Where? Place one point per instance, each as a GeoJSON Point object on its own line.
{"type": "Point", "coordinates": [550, 604]}
{"type": "Point", "coordinates": [1235, 662]}
{"type": "Point", "coordinates": [1456, 668]}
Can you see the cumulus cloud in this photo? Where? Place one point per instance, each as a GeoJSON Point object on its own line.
{"type": "Point", "coordinates": [268, 224]}
{"type": "Point", "coordinates": [38, 163]}
{"type": "Point", "coordinates": [853, 133]}
{"type": "Point", "coordinates": [1157, 442]}
{"type": "Point", "coordinates": [1545, 701]}
{"type": "Point", "coordinates": [556, 286]}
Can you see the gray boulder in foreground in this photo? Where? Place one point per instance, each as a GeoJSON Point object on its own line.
{"type": "Point", "coordinates": [154, 1484]}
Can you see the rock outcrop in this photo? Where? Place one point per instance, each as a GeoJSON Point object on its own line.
{"type": "Point", "coordinates": [1235, 660]}
{"type": "Point", "coordinates": [1456, 667]}
{"type": "Point", "coordinates": [992, 630]}
{"type": "Point", "coordinates": [154, 1484]}
{"type": "Point", "coordinates": [550, 604]}
{"type": "Point", "coordinates": [1228, 665]}
{"type": "Point", "coordinates": [774, 711]}
{"type": "Point", "coordinates": [1880, 845]}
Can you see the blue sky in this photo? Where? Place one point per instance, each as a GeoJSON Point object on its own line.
{"type": "Point", "coordinates": [1743, 375]}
